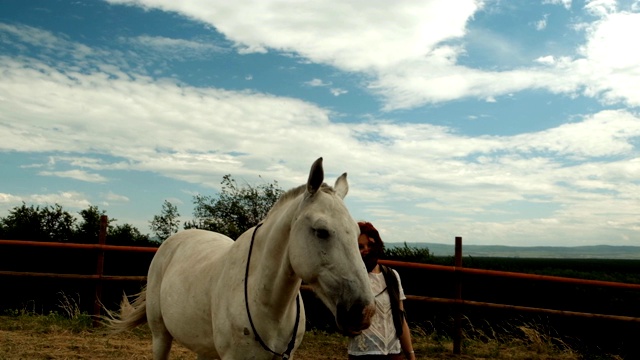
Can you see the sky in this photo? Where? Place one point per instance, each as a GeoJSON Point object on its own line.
{"type": "Point", "coordinates": [503, 122]}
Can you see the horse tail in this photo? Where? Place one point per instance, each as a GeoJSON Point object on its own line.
{"type": "Point", "coordinates": [130, 316]}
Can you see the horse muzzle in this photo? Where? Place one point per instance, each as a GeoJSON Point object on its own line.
{"type": "Point", "coordinates": [352, 320]}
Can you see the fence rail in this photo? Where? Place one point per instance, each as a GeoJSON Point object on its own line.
{"type": "Point", "coordinates": [511, 275]}
{"type": "Point", "coordinates": [73, 276]}
{"type": "Point", "coordinates": [457, 269]}
{"type": "Point", "coordinates": [60, 245]}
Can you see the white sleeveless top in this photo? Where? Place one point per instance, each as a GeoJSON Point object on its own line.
{"type": "Point", "coordinates": [380, 338]}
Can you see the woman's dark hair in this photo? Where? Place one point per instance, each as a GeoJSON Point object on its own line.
{"type": "Point", "coordinates": [376, 249]}
{"type": "Point", "coordinates": [368, 229]}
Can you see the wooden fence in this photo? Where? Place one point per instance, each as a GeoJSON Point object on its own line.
{"type": "Point", "coordinates": [458, 270]}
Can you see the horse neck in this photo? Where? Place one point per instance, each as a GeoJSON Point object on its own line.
{"type": "Point", "coordinates": [270, 265]}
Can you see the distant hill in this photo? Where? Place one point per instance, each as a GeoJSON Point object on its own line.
{"type": "Point", "coordinates": [558, 252]}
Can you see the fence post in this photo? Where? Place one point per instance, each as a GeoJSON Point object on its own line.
{"type": "Point", "coordinates": [457, 331]}
{"type": "Point", "coordinates": [97, 300]}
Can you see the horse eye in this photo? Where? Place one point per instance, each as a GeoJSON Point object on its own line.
{"type": "Point", "coordinates": [322, 233]}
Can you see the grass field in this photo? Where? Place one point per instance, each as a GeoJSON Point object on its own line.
{"type": "Point", "coordinates": [54, 336]}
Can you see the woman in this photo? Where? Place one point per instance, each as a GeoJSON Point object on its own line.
{"type": "Point", "coordinates": [388, 337]}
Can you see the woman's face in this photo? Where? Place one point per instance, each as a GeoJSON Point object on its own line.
{"type": "Point", "coordinates": [365, 244]}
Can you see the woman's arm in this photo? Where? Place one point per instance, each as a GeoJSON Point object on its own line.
{"type": "Point", "coordinates": [405, 338]}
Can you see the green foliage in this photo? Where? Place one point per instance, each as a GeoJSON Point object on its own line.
{"type": "Point", "coordinates": [235, 209]}
{"type": "Point", "coordinates": [89, 228]}
{"type": "Point", "coordinates": [53, 223]}
{"type": "Point", "coordinates": [167, 223]}
{"type": "Point", "coordinates": [49, 223]}
{"type": "Point", "coordinates": [127, 234]}
{"type": "Point", "coordinates": [407, 253]}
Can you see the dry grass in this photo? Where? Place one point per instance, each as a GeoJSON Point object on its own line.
{"type": "Point", "coordinates": [54, 336]}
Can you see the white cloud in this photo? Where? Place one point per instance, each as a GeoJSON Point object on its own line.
{"type": "Point", "coordinates": [583, 173]}
{"type": "Point", "coordinates": [175, 48]}
{"type": "Point", "coordinates": [607, 68]}
{"type": "Point", "coordinates": [317, 83]}
{"type": "Point", "coordinates": [9, 198]}
{"type": "Point", "coordinates": [77, 105]}
{"type": "Point", "coordinates": [415, 163]}
{"type": "Point", "coordinates": [58, 48]}
{"type": "Point", "coordinates": [608, 42]}
{"type": "Point", "coordinates": [610, 67]}
{"type": "Point", "coordinates": [51, 43]}
{"type": "Point", "coordinates": [320, 83]}
{"type": "Point", "coordinates": [175, 201]}
{"type": "Point", "coordinates": [75, 174]}
{"type": "Point", "coordinates": [111, 196]}
{"type": "Point", "coordinates": [67, 199]}
{"type": "Point", "coordinates": [411, 54]}
{"type": "Point", "coordinates": [542, 23]}
{"type": "Point", "coordinates": [546, 60]}
{"type": "Point", "coordinates": [608, 133]}
{"type": "Point", "coordinates": [338, 91]}
{"type": "Point", "coordinates": [601, 7]}
{"type": "Point", "coordinates": [337, 33]}
{"type": "Point", "coordinates": [162, 43]}
{"type": "Point", "coordinates": [565, 3]}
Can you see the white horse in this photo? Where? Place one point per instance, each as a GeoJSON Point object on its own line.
{"type": "Point", "coordinates": [240, 300]}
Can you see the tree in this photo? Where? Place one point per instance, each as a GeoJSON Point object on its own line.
{"type": "Point", "coordinates": [53, 223]}
{"type": "Point", "coordinates": [50, 223]}
{"type": "Point", "coordinates": [235, 209]}
{"type": "Point", "coordinates": [126, 234]}
{"type": "Point", "coordinates": [167, 223]}
{"type": "Point", "coordinates": [57, 224]}
{"type": "Point", "coordinates": [89, 229]}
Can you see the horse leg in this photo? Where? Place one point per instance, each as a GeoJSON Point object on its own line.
{"type": "Point", "coordinates": [161, 348]}
{"type": "Point", "coordinates": [161, 341]}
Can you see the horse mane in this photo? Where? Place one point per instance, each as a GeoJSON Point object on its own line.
{"type": "Point", "coordinates": [294, 193]}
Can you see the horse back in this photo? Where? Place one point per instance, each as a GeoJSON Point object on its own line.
{"type": "Point", "coordinates": [191, 245]}
{"type": "Point", "coordinates": [190, 257]}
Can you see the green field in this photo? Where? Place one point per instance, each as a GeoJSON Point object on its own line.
{"type": "Point", "coordinates": [553, 252]}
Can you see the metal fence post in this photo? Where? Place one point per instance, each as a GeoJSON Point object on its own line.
{"type": "Point", "coordinates": [97, 300]}
{"type": "Point", "coordinates": [457, 331]}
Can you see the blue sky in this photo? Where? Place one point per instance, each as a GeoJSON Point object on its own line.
{"type": "Point", "coordinates": [504, 122]}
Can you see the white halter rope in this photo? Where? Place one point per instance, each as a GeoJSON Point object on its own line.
{"type": "Point", "coordinates": [285, 355]}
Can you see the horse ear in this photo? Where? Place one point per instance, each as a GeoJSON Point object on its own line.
{"type": "Point", "coordinates": [342, 186]}
{"type": "Point", "coordinates": [316, 177]}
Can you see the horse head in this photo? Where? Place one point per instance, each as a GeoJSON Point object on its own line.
{"type": "Point", "coordinates": [323, 251]}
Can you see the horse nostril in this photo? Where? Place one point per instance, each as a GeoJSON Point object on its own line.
{"type": "Point", "coordinates": [354, 319]}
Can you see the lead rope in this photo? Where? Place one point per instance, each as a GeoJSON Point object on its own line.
{"type": "Point", "coordinates": [285, 355]}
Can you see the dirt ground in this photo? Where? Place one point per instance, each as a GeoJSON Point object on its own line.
{"type": "Point", "coordinates": [19, 344]}
{"type": "Point", "coordinates": [55, 337]}
{"type": "Point", "coordinates": [48, 338]}
{"type": "Point", "coordinates": [59, 344]}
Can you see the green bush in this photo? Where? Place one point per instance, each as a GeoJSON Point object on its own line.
{"type": "Point", "coordinates": [408, 254]}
